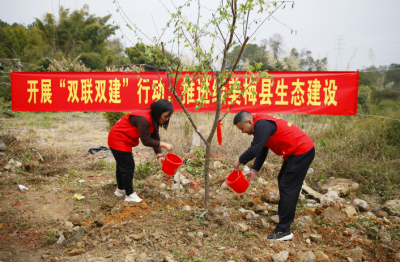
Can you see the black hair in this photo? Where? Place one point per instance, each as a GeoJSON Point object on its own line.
{"type": "Point", "coordinates": [241, 117]}
{"type": "Point", "coordinates": [157, 108]}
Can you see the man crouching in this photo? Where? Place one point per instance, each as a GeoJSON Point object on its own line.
{"type": "Point", "coordinates": [284, 139]}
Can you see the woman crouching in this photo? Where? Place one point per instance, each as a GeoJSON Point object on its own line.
{"type": "Point", "coordinates": [125, 134]}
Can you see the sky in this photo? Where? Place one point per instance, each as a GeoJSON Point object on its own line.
{"type": "Point", "coordinates": [368, 30]}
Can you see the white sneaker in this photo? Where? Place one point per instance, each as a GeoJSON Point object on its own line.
{"type": "Point", "coordinates": [119, 192]}
{"type": "Point", "coordinates": [133, 198]}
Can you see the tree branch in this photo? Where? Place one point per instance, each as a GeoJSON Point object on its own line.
{"type": "Point", "coordinates": [180, 102]}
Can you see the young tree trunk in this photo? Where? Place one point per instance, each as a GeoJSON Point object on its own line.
{"type": "Point", "coordinates": [206, 176]}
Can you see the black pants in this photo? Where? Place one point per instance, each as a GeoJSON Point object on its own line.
{"type": "Point", "coordinates": [290, 180]}
{"type": "Point", "coordinates": [125, 170]}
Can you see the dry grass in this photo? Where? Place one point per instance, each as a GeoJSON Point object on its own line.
{"type": "Point", "coordinates": [351, 147]}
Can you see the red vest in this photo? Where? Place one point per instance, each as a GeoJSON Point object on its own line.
{"type": "Point", "coordinates": [288, 139]}
{"type": "Point", "coordinates": [123, 136]}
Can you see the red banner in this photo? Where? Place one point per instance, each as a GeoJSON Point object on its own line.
{"type": "Point", "coordinates": [316, 93]}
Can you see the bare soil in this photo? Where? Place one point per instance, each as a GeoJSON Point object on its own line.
{"type": "Point", "coordinates": [106, 228]}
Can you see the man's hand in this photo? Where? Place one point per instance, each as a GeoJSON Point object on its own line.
{"type": "Point", "coordinates": [236, 164]}
{"type": "Point", "coordinates": [161, 161]}
{"type": "Point", "coordinates": [251, 175]}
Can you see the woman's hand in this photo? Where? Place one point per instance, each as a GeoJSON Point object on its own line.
{"type": "Point", "coordinates": [169, 147]}
{"type": "Point", "coordinates": [161, 161]}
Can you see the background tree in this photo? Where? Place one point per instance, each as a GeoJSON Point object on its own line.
{"type": "Point", "coordinates": [150, 54]}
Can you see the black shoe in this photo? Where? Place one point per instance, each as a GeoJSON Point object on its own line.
{"type": "Point", "coordinates": [274, 214]}
{"type": "Point", "coordinates": [280, 236]}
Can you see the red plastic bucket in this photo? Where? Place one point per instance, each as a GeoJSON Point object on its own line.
{"type": "Point", "coordinates": [237, 181]}
{"type": "Point", "coordinates": [171, 164]}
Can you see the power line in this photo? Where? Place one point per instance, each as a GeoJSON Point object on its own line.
{"type": "Point", "coordinates": [380, 70]}
{"type": "Point", "coordinates": [379, 117]}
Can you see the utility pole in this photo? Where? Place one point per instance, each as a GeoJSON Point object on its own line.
{"type": "Point", "coordinates": [339, 54]}
{"type": "Point", "coordinates": [17, 61]}
{"type": "Point", "coordinates": [18, 64]}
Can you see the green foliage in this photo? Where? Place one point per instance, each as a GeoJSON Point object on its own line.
{"type": "Point", "coordinates": [92, 60]}
{"type": "Point", "coordinates": [5, 86]}
{"type": "Point", "coordinates": [68, 65]}
{"type": "Point", "coordinates": [42, 65]}
{"type": "Point", "coordinates": [112, 117]}
{"type": "Point", "coordinates": [74, 33]}
{"type": "Point", "coordinates": [149, 54]}
{"type": "Point", "coordinates": [393, 132]}
{"type": "Point", "coordinates": [146, 169]}
{"type": "Point", "coordinates": [274, 61]}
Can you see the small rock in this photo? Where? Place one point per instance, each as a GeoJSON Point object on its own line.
{"type": "Point", "coordinates": [373, 232]}
{"type": "Point", "coordinates": [144, 258]}
{"type": "Point", "coordinates": [224, 187]}
{"type": "Point", "coordinates": [169, 258]}
{"type": "Point", "coordinates": [137, 236]}
{"type": "Point", "coordinates": [178, 176]}
{"type": "Point", "coordinates": [75, 219]}
{"type": "Point", "coordinates": [61, 239]}
{"type": "Point", "coordinates": [356, 254]}
{"type": "Point", "coordinates": [2, 145]}
{"type": "Point", "coordinates": [249, 216]}
{"type": "Point", "coordinates": [308, 241]}
{"type": "Point", "coordinates": [69, 225]}
{"type": "Point", "coordinates": [200, 234]}
{"type": "Point", "coordinates": [106, 205]}
{"type": "Point", "coordinates": [75, 252]}
{"type": "Point", "coordinates": [361, 204]}
{"type": "Point", "coordinates": [246, 169]}
{"type": "Point", "coordinates": [270, 195]}
{"type": "Point", "coordinates": [385, 236]}
{"type": "Point", "coordinates": [186, 208]}
{"type": "Point", "coordinates": [341, 185]}
{"type": "Point", "coordinates": [333, 215]}
{"type": "Point", "coordinates": [316, 238]}
{"type": "Point", "coordinates": [281, 256]}
{"type": "Point", "coordinates": [217, 164]}
{"type": "Point", "coordinates": [321, 256]}
{"type": "Point", "coordinates": [143, 205]}
{"type": "Point", "coordinates": [259, 208]}
{"type": "Point", "coordinates": [261, 180]}
{"type": "Point", "coordinates": [190, 235]}
{"type": "Point", "coordinates": [303, 219]}
{"type": "Point", "coordinates": [382, 213]}
{"type": "Point", "coordinates": [308, 256]}
{"type": "Point", "coordinates": [370, 215]}
{"type": "Point", "coordinates": [302, 197]}
{"type": "Point", "coordinates": [163, 186]}
{"type": "Point", "coordinates": [99, 222]}
{"type": "Point", "coordinates": [311, 192]}
{"type": "Point", "coordinates": [392, 207]}
{"type": "Point", "coordinates": [176, 187]}
{"type": "Point", "coordinates": [242, 227]}
{"type": "Point", "coordinates": [275, 219]}
{"type": "Point", "coordinates": [350, 211]}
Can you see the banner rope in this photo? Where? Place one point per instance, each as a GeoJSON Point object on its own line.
{"type": "Point", "coordinates": [379, 117]}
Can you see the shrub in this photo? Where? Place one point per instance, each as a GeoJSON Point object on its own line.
{"type": "Point", "coordinates": [92, 60]}
{"type": "Point", "coordinates": [5, 86]}
{"type": "Point", "coordinates": [394, 132]}
{"type": "Point", "coordinates": [113, 117]}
